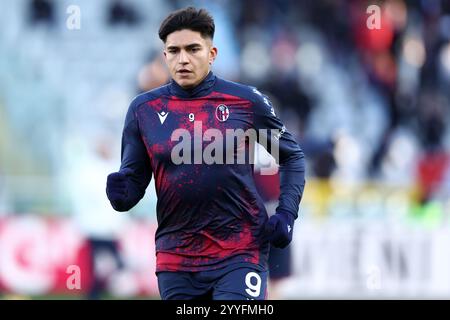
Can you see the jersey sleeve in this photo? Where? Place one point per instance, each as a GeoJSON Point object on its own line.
{"type": "Point", "coordinates": [135, 157]}
{"type": "Point", "coordinates": [273, 135]}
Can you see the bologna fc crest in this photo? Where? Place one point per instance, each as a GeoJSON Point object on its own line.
{"type": "Point", "coordinates": [222, 112]}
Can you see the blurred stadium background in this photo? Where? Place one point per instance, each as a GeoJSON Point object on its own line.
{"type": "Point", "coordinates": [370, 107]}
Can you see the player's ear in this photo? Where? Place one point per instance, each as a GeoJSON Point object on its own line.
{"type": "Point", "coordinates": [212, 54]}
{"type": "Point", "coordinates": [165, 58]}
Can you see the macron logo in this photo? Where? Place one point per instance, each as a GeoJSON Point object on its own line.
{"type": "Point", "coordinates": [162, 116]}
{"type": "Point", "coordinates": [289, 228]}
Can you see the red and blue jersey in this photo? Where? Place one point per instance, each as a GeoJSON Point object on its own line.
{"type": "Point", "coordinates": [209, 214]}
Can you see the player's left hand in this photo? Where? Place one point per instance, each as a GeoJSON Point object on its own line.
{"type": "Point", "coordinates": [279, 229]}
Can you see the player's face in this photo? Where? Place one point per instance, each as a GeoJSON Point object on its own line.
{"type": "Point", "coordinates": [189, 57]}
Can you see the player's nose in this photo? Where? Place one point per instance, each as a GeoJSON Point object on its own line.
{"type": "Point", "coordinates": [183, 58]}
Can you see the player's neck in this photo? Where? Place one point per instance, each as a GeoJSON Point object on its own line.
{"type": "Point", "coordinates": [200, 90]}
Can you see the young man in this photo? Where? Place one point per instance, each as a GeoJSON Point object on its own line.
{"type": "Point", "coordinates": [213, 231]}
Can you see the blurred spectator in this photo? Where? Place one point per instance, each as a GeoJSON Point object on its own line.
{"type": "Point", "coordinates": [122, 12]}
{"type": "Point", "coordinates": [42, 12]}
{"type": "Point", "coordinates": [153, 74]}
{"type": "Point", "coordinates": [432, 119]}
{"type": "Point", "coordinates": [289, 96]}
{"type": "Point", "coordinates": [99, 223]}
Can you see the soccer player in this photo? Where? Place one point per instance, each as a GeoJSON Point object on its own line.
{"type": "Point", "coordinates": [213, 231]}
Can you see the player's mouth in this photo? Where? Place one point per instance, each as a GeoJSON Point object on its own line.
{"type": "Point", "coordinates": [184, 72]}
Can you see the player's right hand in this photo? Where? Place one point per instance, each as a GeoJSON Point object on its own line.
{"type": "Point", "coordinates": [117, 186]}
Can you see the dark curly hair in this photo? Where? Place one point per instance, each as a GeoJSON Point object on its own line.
{"type": "Point", "coordinates": [188, 18]}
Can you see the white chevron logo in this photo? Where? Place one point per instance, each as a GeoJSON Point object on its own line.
{"type": "Point", "coordinates": [162, 116]}
{"type": "Point", "coordinates": [289, 228]}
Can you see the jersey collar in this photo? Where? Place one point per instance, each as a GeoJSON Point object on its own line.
{"type": "Point", "coordinates": [202, 89]}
